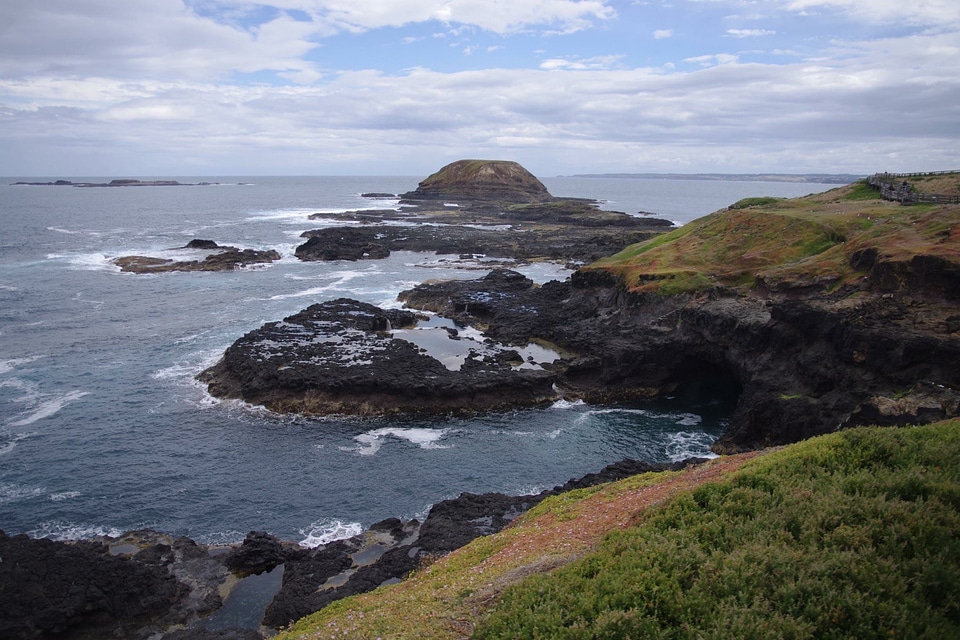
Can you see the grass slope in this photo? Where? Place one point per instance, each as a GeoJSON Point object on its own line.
{"type": "Point", "coordinates": [851, 535]}
{"type": "Point", "coordinates": [800, 241]}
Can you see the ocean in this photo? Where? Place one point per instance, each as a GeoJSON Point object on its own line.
{"type": "Point", "coordinates": [104, 429]}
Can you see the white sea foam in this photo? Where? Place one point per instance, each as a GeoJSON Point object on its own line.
{"type": "Point", "coordinates": [325, 531]}
{"type": "Point", "coordinates": [64, 530]}
{"type": "Point", "coordinates": [337, 282]}
{"type": "Point", "coordinates": [49, 407]}
{"type": "Point", "coordinates": [85, 261]}
{"type": "Point", "coordinates": [6, 366]}
{"type": "Point", "coordinates": [11, 444]}
{"type": "Point", "coordinates": [370, 443]}
{"type": "Point", "coordinates": [28, 389]}
{"type": "Point", "coordinates": [59, 230]}
{"type": "Point", "coordinates": [64, 495]}
{"type": "Point", "coordinates": [567, 404]}
{"type": "Point", "coordinates": [288, 215]}
{"type": "Point", "coordinates": [15, 492]}
{"type": "Point", "coordinates": [688, 419]}
{"type": "Point", "coordinates": [689, 444]}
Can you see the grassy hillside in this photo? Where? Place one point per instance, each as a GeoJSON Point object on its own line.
{"type": "Point", "coordinates": [786, 242]}
{"type": "Point", "coordinates": [851, 535]}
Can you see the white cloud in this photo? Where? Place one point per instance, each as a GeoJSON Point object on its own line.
{"type": "Point", "coordinates": [661, 34]}
{"type": "Point", "coordinates": [109, 87]}
{"type": "Point", "coordinates": [750, 33]}
{"type": "Point", "coordinates": [712, 59]}
{"type": "Point", "coordinates": [918, 12]}
{"type": "Point", "coordinates": [727, 117]}
{"type": "Point", "coordinates": [580, 64]}
{"type": "Point", "coordinates": [141, 38]}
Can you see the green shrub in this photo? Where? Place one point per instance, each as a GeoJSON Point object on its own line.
{"type": "Point", "coordinates": [851, 535]}
{"type": "Point", "coordinates": [862, 191]}
{"type": "Point", "coordinates": [760, 201]}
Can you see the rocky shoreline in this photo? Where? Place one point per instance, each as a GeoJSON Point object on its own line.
{"type": "Point", "coordinates": [150, 585]}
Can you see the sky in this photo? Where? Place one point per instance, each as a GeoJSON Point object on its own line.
{"type": "Point", "coordinates": [142, 88]}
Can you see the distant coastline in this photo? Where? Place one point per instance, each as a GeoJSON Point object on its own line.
{"type": "Point", "coordinates": [124, 182]}
{"type": "Point", "coordinates": [820, 178]}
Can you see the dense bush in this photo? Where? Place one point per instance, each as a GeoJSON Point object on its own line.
{"type": "Point", "coordinates": [851, 535]}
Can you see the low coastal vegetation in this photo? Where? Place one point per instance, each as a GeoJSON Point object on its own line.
{"type": "Point", "coordinates": [781, 243]}
{"type": "Point", "coordinates": [854, 534]}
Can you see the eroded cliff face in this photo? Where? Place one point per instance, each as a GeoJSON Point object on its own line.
{"type": "Point", "coordinates": [805, 365]}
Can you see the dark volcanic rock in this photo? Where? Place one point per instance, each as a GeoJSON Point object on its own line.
{"type": "Point", "coordinates": [197, 243]}
{"type": "Point", "coordinates": [259, 552]}
{"type": "Point", "coordinates": [225, 259]}
{"type": "Point", "coordinates": [342, 243]}
{"type": "Point", "coordinates": [581, 241]}
{"type": "Point", "coordinates": [804, 366]}
{"type": "Point", "coordinates": [338, 357]}
{"type": "Point", "coordinates": [50, 588]}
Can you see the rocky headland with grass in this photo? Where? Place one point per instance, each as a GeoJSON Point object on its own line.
{"type": "Point", "coordinates": [822, 313]}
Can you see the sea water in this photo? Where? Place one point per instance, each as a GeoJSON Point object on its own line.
{"type": "Point", "coordinates": [104, 429]}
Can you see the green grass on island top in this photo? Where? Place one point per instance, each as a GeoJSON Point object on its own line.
{"type": "Point", "coordinates": [775, 241]}
{"type": "Point", "coordinates": [851, 535]}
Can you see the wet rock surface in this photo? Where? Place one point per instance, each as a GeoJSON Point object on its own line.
{"type": "Point", "coordinates": [340, 357]}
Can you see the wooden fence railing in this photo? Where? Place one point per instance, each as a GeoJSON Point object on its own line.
{"type": "Point", "coordinates": [892, 186]}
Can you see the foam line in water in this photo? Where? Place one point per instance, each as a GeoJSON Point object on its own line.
{"type": "Point", "coordinates": [369, 443]}
{"type": "Point", "coordinates": [6, 366]}
{"type": "Point", "coordinates": [49, 407]}
{"type": "Point", "coordinates": [64, 495]}
{"type": "Point", "coordinates": [64, 530]}
{"type": "Point", "coordinates": [86, 261]}
{"type": "Point", "coordinates": [323, 532]}
{"type": "Point", "coordinates": [14, 492]}
{"type": "Point", "coordinates": [11, 444]}
{"type": "Point", "coordinates": [292, 215]}
{"type": "Point", "coordinates": [567, 404]}
{"type": "Point", "coordinates": [689, 444]}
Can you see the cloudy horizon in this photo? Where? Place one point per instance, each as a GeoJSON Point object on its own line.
{"type": "Point", "coordinates": [381, 87]}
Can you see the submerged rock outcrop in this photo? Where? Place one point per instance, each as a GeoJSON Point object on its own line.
{"type": "Point", "coordinates": [220, 258]}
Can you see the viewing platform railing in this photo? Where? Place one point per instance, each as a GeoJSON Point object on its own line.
{"type": "Point", "coordinates": [894, 186]}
